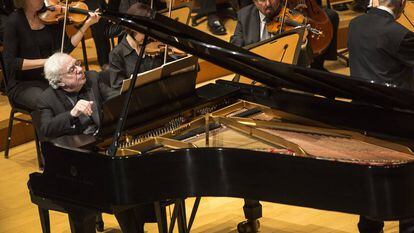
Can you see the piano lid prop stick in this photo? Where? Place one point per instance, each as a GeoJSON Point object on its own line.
{"type": "Point", "coordinates": [207, 129]}
{"type": "Point", "coordinates": [121, 122]}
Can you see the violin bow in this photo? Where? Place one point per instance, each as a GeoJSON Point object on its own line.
{"type": "Point", "coordinates": [169, 15]}
{"type": "Point", "coordinates": [283, 17]}
{"type": "Point", "coordinates": [64, 26]}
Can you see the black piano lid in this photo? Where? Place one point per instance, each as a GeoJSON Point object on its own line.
{"type": "Point", "coordinates": [273, 74]}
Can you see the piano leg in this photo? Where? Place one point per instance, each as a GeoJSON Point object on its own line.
{"type": "Point", "coordinates": [82, 221]}
{"type": "Point", "coordinates": [181, 216]}
{"type": "Point", "coordinates": [252, 212]}
{"type": "Point", "coordinates": [44, 219]}
{"type": "Point", "coordinates": [161, 217]}
{"type": "Point", "coordinates": [131, 220]}
{"type": "Point", "coordinates": [193, 213]}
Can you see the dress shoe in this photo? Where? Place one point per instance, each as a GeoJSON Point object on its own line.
{"type": "Point", "coordinates": [249, 226]}
{"type": "Point", "coordinates": [215, 26]}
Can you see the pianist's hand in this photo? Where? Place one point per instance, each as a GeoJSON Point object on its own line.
{"type": "Point", "coordinates": [82, 107]}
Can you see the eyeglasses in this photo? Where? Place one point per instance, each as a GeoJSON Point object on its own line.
{"type": "Point", "coordinates": [73, 68]}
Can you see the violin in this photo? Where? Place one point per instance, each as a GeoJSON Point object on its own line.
{"type": "Point", "coordinates": [289, 19]}
{"type": "Point", "coordinates": [54, 12]}
{"type": "Point", "coordinates": [156, 48]}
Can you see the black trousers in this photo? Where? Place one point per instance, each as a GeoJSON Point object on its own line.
{"type": "Point", "coordinates": [367, 225]}
{"type": "Point", "coordinates": [207, 6]}
{"type": "Point", "coordinates": [362, 2]}
{"type": "Point", "coordinates": [103, 47]}
{"type": "Point", "coordinates": [26, 93]}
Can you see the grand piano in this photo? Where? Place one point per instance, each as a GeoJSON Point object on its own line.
{"type": "Point", "coordinates": [305, 138]}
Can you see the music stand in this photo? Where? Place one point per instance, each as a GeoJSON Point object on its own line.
{"type": "Point", "coordinates": [153, 89]}
{"type": "Point", "coordinates": [166, 70]}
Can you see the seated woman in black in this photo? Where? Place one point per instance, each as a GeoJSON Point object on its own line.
{"type": "Point", "coordinates": [124, 56]}
{"type": "Point", "coordinates": [27, 44]}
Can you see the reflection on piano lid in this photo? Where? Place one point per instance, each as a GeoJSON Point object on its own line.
{"type": "Point", "coordinates": [271, 73]}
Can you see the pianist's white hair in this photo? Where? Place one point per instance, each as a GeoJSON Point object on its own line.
{"type": "Point", "coordinates": [54, 69]}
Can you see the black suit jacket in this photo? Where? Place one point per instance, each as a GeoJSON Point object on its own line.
{"type": "Point", "coordinates": [248, 26]}
{"type": "Point", "coordinates": [381, 50]}
{"type": "Point", "coordinates": [54, 108]}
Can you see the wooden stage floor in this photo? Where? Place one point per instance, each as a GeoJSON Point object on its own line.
{"type": "Point", "coordinates": [220, 215]}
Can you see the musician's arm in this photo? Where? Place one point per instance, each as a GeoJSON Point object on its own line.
{"type": "Point", "coordinates": [93, 18]}
{"type": "Point", "coordinates": [116, 71]}
{"type": "Point", "coordinates": [406, 50]}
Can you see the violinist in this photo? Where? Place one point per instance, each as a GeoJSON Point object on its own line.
{"type": "Point", "coordinates": [124, 56]}
{"type": "Point", "coordinates": [251, 26]}
{"type": "Point", "coordinates": [27, 44]}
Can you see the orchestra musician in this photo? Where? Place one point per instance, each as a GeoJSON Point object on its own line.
{"type": "Point", "coordinates": [72, 106]}
{"type": "Point", "coordinates": [27, 44]}
{"type": "Point", "coordinates": [251, 26]}
{"type": "Point", "coordinates": [125, 54]}
{"type": "Point", "coordinates": [381, 50]}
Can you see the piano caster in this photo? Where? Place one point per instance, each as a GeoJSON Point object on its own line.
{"type": "Point", "coordinates": [248, 226]}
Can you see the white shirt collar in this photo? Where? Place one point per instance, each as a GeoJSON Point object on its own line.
{"type": "Point", "coordinates": [387, 10]}
{"type": "Point", "coordinates": [262, 16]}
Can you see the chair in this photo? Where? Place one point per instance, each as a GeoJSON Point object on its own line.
{"type": "Point", "coordinates": [15, 108]}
